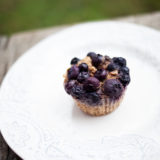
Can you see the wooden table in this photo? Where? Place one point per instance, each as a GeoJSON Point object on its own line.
{"type": "Point", "coordinates": [13, 47]}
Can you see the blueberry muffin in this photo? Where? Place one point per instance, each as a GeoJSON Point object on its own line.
{"type": "Point", "coordinates": [97, 83]}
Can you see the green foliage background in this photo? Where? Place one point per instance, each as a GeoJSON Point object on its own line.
{"type": "Point", "coordinates": [20, 15]}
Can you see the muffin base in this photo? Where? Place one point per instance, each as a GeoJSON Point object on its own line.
{"type": "Point", "coordinates": [108, 106]}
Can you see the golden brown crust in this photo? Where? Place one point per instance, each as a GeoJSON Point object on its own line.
{"type": "Point", "coordinates": [107, 107]}
{"type": "Point", "coordinates": [113, 75]}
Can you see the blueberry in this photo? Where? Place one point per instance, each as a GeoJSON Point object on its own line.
{"type": "Point", "coordinates": [124, 70]}
{"type": "Point", "coordinates": [120, 61]}
{"type": "Point", "coordinates": [82, 76]}
{"type": "Point", "coordinates": [69, 85]}
{"type": "Point", "coordinates": [92, 98]}
{"type": "Point", "coordinates": [101, 74]}
{"type": "Point", "coordinates": [78, 92]}
{"type": "Point", "coordinates": [112, 67]}
{"type": "Point", "coordinates": [92, 54]}
{"type": "Point", "coordinates": [74, 60]}
{"type": "Point", "coordinates": [124, 76]}
{"type": "Point", "coordinates": [97, 60]}
{"type": "Point", "coordinates": [73, 72]}
{"type": "Point", "coordinates": [91, 84]}
{"type": "Point", "coordinates": [113, 88]}
{"type": "Point", "coordinates": [83, 67]}
{"type": "Point", "coordinates": [125, 79]}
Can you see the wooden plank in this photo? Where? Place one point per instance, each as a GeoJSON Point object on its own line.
{"type": "Point", "coordinates": [150, 20]}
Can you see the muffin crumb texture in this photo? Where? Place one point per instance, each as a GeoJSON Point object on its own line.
{"type": "Point", "coordinates": [97, 83]}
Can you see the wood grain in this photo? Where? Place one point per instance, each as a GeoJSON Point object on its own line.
{"type": "Point", "coordinates": [11, 48]}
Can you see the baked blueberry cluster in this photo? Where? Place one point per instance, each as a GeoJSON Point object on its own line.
{"type": "Point", "coordinates": [96, 77]}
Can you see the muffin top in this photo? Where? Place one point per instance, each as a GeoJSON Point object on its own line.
{"type": "Point", "coordinates": [96, 77]}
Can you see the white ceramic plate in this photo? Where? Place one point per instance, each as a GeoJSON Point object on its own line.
{"type": "Point", "coordinates": [39, 120]}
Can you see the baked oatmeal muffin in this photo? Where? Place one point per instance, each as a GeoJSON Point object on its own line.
{"type": "Point", "coordinates": [97, 83]}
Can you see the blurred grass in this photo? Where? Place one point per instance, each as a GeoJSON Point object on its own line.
{"type": "Point", "coordinates": [20, 15]}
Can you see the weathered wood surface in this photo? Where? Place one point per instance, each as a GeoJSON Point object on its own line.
{"type": "Point", "coordinates": [13, 47]}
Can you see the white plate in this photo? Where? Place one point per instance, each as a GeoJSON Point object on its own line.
{"type": "Point", "coordinates": [39, 120]}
